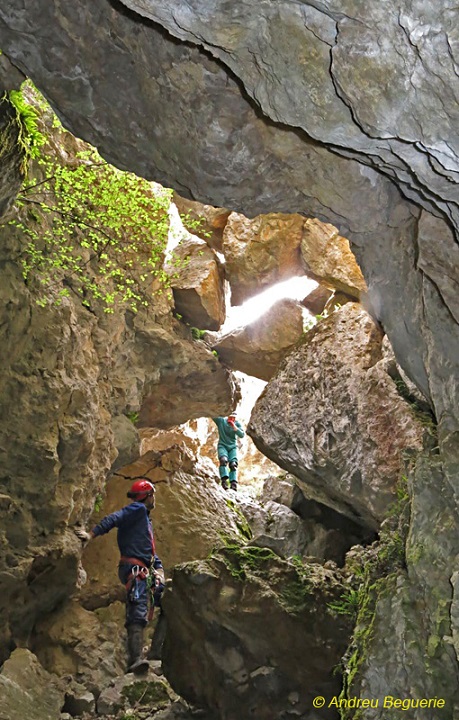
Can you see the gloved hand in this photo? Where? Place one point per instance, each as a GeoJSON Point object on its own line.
{"type": "Point", "coordinates": [83, 535]}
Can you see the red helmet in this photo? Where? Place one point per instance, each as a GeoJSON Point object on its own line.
{"type": "Point", "coordinates": [141, 489]}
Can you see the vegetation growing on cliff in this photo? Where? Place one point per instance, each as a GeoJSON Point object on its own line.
{"type": "Point", "coordinates": [374, 573]}
{"type": "Point", "coordinates": [90, 229]}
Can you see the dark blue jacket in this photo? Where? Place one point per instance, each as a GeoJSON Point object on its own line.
{"type": "Point", "coordinates": [135, 533]}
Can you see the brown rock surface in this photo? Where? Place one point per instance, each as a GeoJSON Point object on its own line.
{"type": "Point", "coordinates": [257, 632]}
{"type": "Point", "coordinates": [27, 690]}
{"type": "Point", "coordinates": [333, 417]}
{"type": "Point", "coordinates": [189, 516]}
{"type": "Point", "coordinates": [67, 371]}
{"type": "Point", "coordinates": [258, 349]}
{"type": "Point", "coordinates": [317, 299]}
{"type": "Point", "coordinates": [207, 222]}
{"type": "Point", "coordinates": [261, 252]}
{"type": "Point", "coordinates": [328, 258]}
{"type": "Point", "coordinates": [12, 155]}
{"type": "Point", "coordinates": [198, 285]}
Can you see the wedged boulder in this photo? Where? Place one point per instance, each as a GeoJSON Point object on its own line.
{"type": "Point", "coordinates": [259, 348]}
{"type": "Point", "coordinates": [197, 281]}
{"type": "Point", "coordinates": [333, 417]}
{"type": "Point", "coordinates": [327, 258]}
{"type": "Point", "coordinates": [316, 300]}
{"type": "Point", "coordinates": [191, 383]}
{"type": "Point", "coordinates": [261, 252]}
{"type": "Point", "coordinates": [27, 690]}
{"type": "Point", "coordinates": [258, 634]}
{"type": "Point", "coordinates": [205, 221]}
{"type": "Point", "coordinates": [280, 529]}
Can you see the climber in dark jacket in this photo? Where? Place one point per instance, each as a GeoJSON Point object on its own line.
{"type": "Point", "coordinates": [138, 564]}
{"type": "Point", "coordinates": [229, 429]}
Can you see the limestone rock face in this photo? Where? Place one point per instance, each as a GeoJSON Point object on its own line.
{"type": "Point", "coordinates": [328, 258]}
{"type": "Point", "coordinates": [87, 645]}
{"type": "Point", "coordinates": [261, 252]}
{"type": "Point", "coordinates": [70, 376]}
{"type": "Point", "coordinates": [317, 299]}
{"type": "Point", "coordinates": [27, 690]}
{"type": "Point", "coordinates": [334, 419]}
{"type": "Point", "coordinates": [258, 634]}
{"type": "Point", "coordinates": [198, 285]}
{"type": "Point", "coordinates": [207, 222]}
{"type": "Point", "coordinates": [259, 348]}
{"type": "Point", "coordinates": [12, 156]}
{"type": "Point", "coordinates": [419, 604]}
{"type": "Point", "coordinates": [191, 512]}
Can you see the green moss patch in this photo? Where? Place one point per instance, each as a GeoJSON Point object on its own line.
{"type": "Point", "coordinates": [146, 693]}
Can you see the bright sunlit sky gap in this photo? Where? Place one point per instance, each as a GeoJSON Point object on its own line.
{"type": "Point", "coordinates": [240, 315]}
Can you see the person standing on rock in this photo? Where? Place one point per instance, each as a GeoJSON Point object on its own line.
{"type": "Point", "coordinates": [139, 567]}
{"type": "Point", "coordinates": [229, 429]}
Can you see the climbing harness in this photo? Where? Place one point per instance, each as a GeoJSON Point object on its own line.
{"type": "Point", "coordinates": [140, 572]}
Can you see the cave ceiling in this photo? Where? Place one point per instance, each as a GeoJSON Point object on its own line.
{"type": "Point", "coordinates": [343, 111]}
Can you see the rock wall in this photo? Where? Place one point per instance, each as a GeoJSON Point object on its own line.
{"type": "Point", "coordinates": [341, 111]}
{"type": "Point", "coordinates": [71, 375]}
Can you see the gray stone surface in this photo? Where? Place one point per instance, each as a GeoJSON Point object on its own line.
{"type": "Point", "coordinates": [232, 618]}
{"type": "Point", "coordinates": [333, 418]}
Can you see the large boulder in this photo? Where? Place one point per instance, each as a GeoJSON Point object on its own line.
{"type": "Point", "coordinates": [259, 634]}
{"type": "Point", "coordinates": [197, 281]}
{"type": "Point", "coordinates": [259, 348]}
{"type": "Point", "coordinates": [89, 646]}
{"type": "Point", "coordinates": [261, 252]}
{"type": "Point", "coordinates": [333, 417]}
{"type": "Point", "coordinates": [328, 258]}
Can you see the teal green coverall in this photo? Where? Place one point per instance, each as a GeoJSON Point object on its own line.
{"type": "Point", "coordinates": [227, 447]}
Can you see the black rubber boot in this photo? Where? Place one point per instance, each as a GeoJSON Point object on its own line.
{"type": "Point", "coordinates": [156, 647]}
{"type": "Point", "coordinates": [233, 485]}
{"type": "Point", "coordinates": [136, 663]}
{"type": "Point", "coordinates": [225, 483]}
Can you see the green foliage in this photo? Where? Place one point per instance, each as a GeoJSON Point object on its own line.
{"type": "Point", "coordinates": [197, 333]}
{"type": "Point", "coordinates": [144, 692]}
{"type": "Point", "coordinates": [101, 233]}
{"type": "Point", "coordinates": [98, 503]}
{"type": "Point", "coordinates": [241, 520]}
{"type": "Point", "coordinates": [348, 604]}
{"type": "Point", "coordinates": [30, 137]}
{"type": "Point", "coordinates": [373, 577]}
{"type": "Point", "coordinates": [133, 417]}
